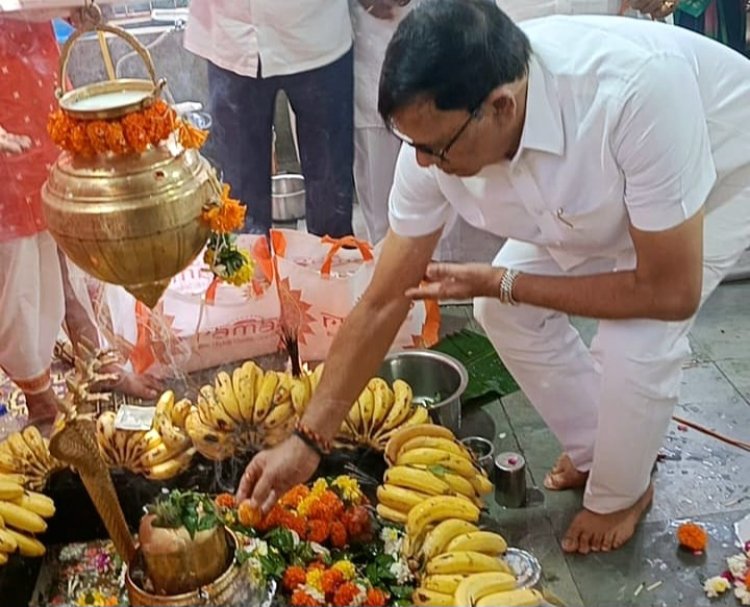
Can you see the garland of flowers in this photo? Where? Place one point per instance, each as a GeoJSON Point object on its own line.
{"type": "Point", "coordinates": [222, 256]}
{"type": "Point", "coordinates": [319, 543]}
{"type": "Point", "coordinates": [132, 133]}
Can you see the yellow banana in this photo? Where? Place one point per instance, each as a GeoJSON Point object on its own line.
{"type": "Point", "coordinates": [120, 445]}
{"type": "Point", "coordinates": [478, 585]}
{"type": "Point", "coordinates": [399, 498]}
{"type": "Point", "coordinates": [171, 467]}
{"type": "Point", "coordinates": [20, 449]}
{"type": "Point", "coordinates": [521, 597]}
{"type": "Point", "coordinates": [485, 542]}
{"type": "Point", "coordinates": [10, 491]}
{"type": "Point", "coordinates": [419, 480]}
{"type": "Point", "coordinates": [381, 403]}
{"type": "Point", "coordinates": [390, 514]}
{"type": "Point", "coordinates": [366, 402]}
{"type": "Point", "coordinates": [164, 405]}
{"type": "Point", "coordinates": [434, 442]}
{"type": "Point", "coordinates": [35, 441]}
{"type": "Point", "coordinates": [173, 437]}
{"type": "Point", "coordinates": [38, 503]}
{"type": "Point", "coordinates": [8, 543]}
{"type": "Point", "coordinates": [403, 433]}
{"type": "Point", "coordinates": [8, 464]}
{"type": "Point", "coordinates": [12, 477]}
{"type": "Point", "coordinates": [20, 518]}
{"type": "Point", "coordinates": [422, 597]}
{"type": "Point", "coordinates": [283, 388]}
{"type": "Point", "coordinates": [436, 457]}
{"type": "Point", "coordinates": [458, 484]}
{"type": "Point", "coordinates": [226, 396]}
{"type": "Point", "coordinates": [300, 393]}
{"type": "Point", "coordinates": [441, 535]}
{"type": "Point", "coordinates": [180, 412]}
{"type": "Point", "coordinates": [464, 563]}
{"type": "Point", "coordinates": [438, 508]}
{"type": "Point", "coordinates": [482, 485]}
{"type": "Point", "coordinates": [211, 443]}
{"type": "Point", "coordinates": [150, 440]}
{"type": "Point", "coordinates": [28, 546]}
{"type": "Point", "coordinates": [353, 421]}
{"type": "Point", "coordinates": [280, 414]}
{"type": "Point", "coordinates": [264, 399]}
{"type": "Point", "coordinates": [216, 411]}
{"type": "Point", "coordinates": [418, 417]}
{"type": "Point", "coordinates": [243, 384]}
{"type": "Point", "coordinates": [161, 453]}
{"type": "Point", "coordinates": [399, 411]}
{"type": "Point", "coordinates": [446, 584]}
{"type": "Point", "coordinates": [315, 377]}
{"type": "Point", "coordinates": [134, 448]}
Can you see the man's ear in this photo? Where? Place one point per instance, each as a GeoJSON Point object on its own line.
{"type": "Point", "coordinates": [503, 101]}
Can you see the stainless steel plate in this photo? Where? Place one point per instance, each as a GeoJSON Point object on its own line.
{"type": "Point", "coordinates": [525, 567]}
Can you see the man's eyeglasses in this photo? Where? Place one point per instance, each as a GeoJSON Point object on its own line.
{"type": "Point", "coordinates": [442, 153]}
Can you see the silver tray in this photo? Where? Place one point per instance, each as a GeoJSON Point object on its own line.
{"type": "Point", "coordinates": [525, 567]}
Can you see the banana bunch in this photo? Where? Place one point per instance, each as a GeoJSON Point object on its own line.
{"type": "Point", "coordinates": [160, 453]}
{"type": "Point", "coordinates": [379, 412]}
{"type": "Point", "coordinates": [427, 461]}
{"type": "Point", "coordinates": [484, 589]}
{"type": "Point", "coordinates": [248, 409]}
{"type": "Point", "coordinates": [22, 515]}
{"type": "Point", "coordinates": [26, 455]}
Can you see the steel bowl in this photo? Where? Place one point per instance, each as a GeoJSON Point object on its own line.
{"type": "Point", "coordinates": [287, 197]}
{"type": "Point", "coordinates": [437, 380]}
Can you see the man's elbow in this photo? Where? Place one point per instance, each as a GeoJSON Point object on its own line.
{"type": "Point", "coordinates": [682, 303]}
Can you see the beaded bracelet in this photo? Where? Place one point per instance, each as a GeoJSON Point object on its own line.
{"type": "Point", "coordinates": [312, 439]}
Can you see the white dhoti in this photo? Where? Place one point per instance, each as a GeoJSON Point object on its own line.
{"type": "Point", "coordinates": [33, 306]}
{"type": "Point", "coordinates": [610, 405]}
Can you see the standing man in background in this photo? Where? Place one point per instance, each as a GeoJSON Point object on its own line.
{"type": "Point", "coordinates": [255, 49]}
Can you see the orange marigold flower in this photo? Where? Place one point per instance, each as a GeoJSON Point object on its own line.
{"type": "Point", "coordinates": [59, 127]}
{"type": "Point", "coordinates": [79, 141]}
{"type": "Point", "coordinates": [248, 515]}
{"type": "Point", "coordinates": [293, 577]}
{"type": "Point", "coordinates": [301, 599]}
{"type": "Point", "coordinates": [294, 523]}
{"type": "Point", "coordinates": [190, 136]}
{"type": "Point", "coordinates": [224, 500]}
{"type": "Point", "coordinates": [161, 119]}
{"type": "Point", "coordinates": [332, 579]}
{"type": "Point", "coordinates": [318, 530]}
{"type": "Point", "coordinates": [97, 130]}
{"type": "Point", "coordinates": [294, 496]}
{"type": "Point", "coordinates": [334, 502]}
{"type": "Point", "coordinates": [375, 598]}
{"type": "Point", "coordinates": [135, 128]}
{"type": "Point", "coordinates": [338, 535]}
{"type": "Point", "coordinates": [692, 536]}
{"type": "Point", "coordinates": [346, 595]}
{"type": "Point", "coordinates": [116, 139]}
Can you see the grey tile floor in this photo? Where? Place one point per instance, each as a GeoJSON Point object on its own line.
{"type": "Point", "coordinates": [700, 478]}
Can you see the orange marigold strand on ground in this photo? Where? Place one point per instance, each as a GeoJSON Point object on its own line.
{"type": "Point", "coordinates": [345, 595]}
{"type": "Point", "coordinates": [375, 598]}
{"type": "Point", "coordinates": [692, 536]}
{"type": "Point", "coordinates": [301, 599]}
{"type": "Point", "coordinates": [338, 535]}
{"type": "Point", "coordinates": [293, 577]}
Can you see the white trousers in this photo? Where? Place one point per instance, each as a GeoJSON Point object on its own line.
{"type": "Point", "coordinates": [609, 405]}
{"type": "Point", "coordinates": [33, 306]}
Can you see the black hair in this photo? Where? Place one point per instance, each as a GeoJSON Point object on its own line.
{"type": "Point", "coordinates": [454, 52]}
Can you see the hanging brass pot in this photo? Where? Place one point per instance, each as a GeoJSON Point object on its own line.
{"type": "Point", "coordinates": [132, 219]}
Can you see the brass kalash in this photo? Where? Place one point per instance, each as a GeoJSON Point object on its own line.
{"type": "Point", "coordinates": [131, 220]}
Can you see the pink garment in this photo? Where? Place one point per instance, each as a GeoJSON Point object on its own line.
{"type": "Point", "coordinates": [28, 74]}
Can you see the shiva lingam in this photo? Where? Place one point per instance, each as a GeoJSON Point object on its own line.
{"type": "Point", "coordinates": [124, 201]}
{"type": "Point", "coordinates": [185, 555]}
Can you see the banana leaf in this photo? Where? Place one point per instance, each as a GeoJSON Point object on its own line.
{"type": "Point", "coordinates": [487, 374]}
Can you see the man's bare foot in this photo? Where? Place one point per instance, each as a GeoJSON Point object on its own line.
{"type": "Point", "coordinates": [564, 475]}
{"type": "Point", "coordinates": [592, 532]}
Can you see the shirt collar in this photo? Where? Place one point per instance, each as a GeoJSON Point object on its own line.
{"type": "Point", "coordinates": [543, 125]}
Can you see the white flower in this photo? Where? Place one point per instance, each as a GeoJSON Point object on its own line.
{"type": "Point", "coordinates": [320, 550]}
{"type": "Point", "coordinates": [392, 541]}
{"type": "Point", "coordinates": [256, 547]}
{"type": "Point", "coordinates": [737, 565]}
{"type": "Point", "coordinates": [315, 594]}
{"type": "Point", "coordinates": [295, 537]}
{"type": "Point", "coordinates": [742, 594]}
{"type": "Point", "coordinates": [400, 571]}
{"type": "Point", "coordinates": [715, 586]}
{"type": "Point", "coordinates": [255, 571]}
